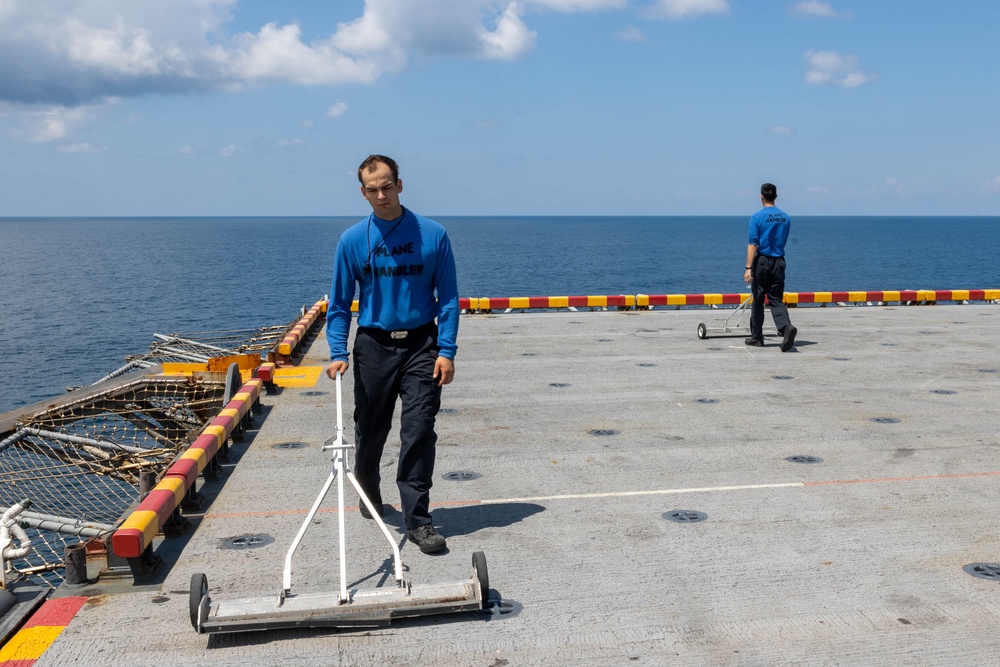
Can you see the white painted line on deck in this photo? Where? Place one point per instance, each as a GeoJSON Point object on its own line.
{"type": "Point", "coordinates": [656, 492]}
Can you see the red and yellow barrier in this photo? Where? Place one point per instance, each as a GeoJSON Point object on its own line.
{"type": "Point", "coordinates": [142, 525]}
{"type": "Point", "coordinates": [550, 302]}
{"type": "Point", "coordinates": [284, 350]}
{"type": "Point", "coordinates": [918, 296]}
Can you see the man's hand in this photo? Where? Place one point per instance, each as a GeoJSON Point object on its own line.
{"type": "Point", "coordinates": [444, 370]}
{"type": "Point", "coordinates": [331, 370]}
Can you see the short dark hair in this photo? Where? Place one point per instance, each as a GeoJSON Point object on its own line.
{"type": "Point", "coordinates": [769, 191]}
{"type": "Point", "coordinates": [372, 160]}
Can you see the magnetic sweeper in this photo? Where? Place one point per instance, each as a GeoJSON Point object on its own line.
{"type": "Point", "coordinates": [730, 327]}
{"type": "Point", "coordinates": [353, 608]}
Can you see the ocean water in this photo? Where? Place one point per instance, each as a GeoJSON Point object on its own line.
{"type": "Point", "coordinates": [78, 295]}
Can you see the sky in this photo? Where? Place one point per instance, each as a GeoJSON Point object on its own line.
{"type": "Point", "coordinates": [499, 107]}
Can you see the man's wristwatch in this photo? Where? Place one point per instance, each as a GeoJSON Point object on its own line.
{"type": "Point", "coordinates": [748, 268]}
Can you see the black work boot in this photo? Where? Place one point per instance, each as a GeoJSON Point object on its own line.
{"type": "Point", "coordinates": [429, 540]}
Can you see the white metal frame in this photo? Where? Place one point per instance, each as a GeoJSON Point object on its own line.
{"type": "Point", "coordinates": [341, 469]}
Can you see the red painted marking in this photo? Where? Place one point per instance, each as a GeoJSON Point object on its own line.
{"type": "Point", "coordinates": [185, 468]}
{"type": "Point", "coordinates": [127, 542]}
{"type": "Point", "coordinates": [807, 297]}
{"type": "Point", "coordinates": [161, 501]}
{"type": "Point", "coordinates": [875, 296]}
{"type": "Point", "coordinates": [56, 612]}
{"type": "Point", "coordinates": [694, 299]}
{"type": "Point", "coordinates": [977, 294]}
{"type": "Point", "coordinates": [914, 478]}
{"type": "Point", "coordinates": [538, 302]}
{"type": "Point", "coordinates": [908, 295]}
{"type": "Point", "coordinates": [227, 422]}
{"type": "Point", "coordinates": [840, 296]}
{"type": "Point", "coordinates": [735, 299]}
{"type": "Point", "coordinates": [463, 304]}
{"type": "Point", "coordinates": [617, 300]}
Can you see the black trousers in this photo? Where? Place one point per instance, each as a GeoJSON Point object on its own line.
{"type": "Point", "coordinates": [768, 280]}
{"type": "Point", "coordinates": [384, 369]}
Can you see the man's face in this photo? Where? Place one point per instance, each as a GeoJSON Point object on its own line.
{"type": "Point", "coordinates": [382, 192]}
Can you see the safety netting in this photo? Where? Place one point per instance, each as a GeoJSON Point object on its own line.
{"type": "Point", "coordinates": [201, 346]}
{"type": "Point", "coordinates": [79, 460]}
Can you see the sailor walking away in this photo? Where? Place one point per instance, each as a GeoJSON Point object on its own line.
{"type": "Point", "coordinates": [765, 269]}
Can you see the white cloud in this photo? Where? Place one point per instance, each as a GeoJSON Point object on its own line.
{"type": "Point", "coordinates": [7, 8]}
{"type": "Point", "coordinates": [53, 124]}
{"type": "Point", "coordinates": [185, 150]}
{"type": "Point", "coordinates": [578, 5]}
{"type": "Point", "coordinates": [993, 184]}
{"type": "Point", "coordinates": [80, 148]}
{"type": "Point", "coordinates": [336, 110]}
{"type": "Point", "coordinates": [289, 143]}
{"type": "Point", "coordinates": [814, 8]}
{"type": "Point", "coordinates": [511, 38]}
{"type": "Point", "coordinates": [683, 9]}
{"type": "Point", "coordinates": [74, 52]}
{"type": "Point", "coordinates": [231, 150]}
{"type": "Point", "coordinates": [781, 129]}
{"type": "Point", "coordinates": [829, 68]}
{"type": "Point", "coordinates": [631, 34]}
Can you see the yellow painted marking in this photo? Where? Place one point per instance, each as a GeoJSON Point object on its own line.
{"type": "Point", "coordinates": [890, 296]}
{"type": "Point", "coordinates": [175, 485]}
{"type": "Point", "coordinates": [677, 299]}
{"type": "Point", "coordinates": [144, 520]}
{"type": "Point", "coordinates": [642, 300]}
{"type": "Point", "coordinates": [231, 412]}
{"type": "Point", "coordinates": [960, 295]}
{"type": "Point", "coordinates": [198, 456]}
{"type": "Point", "coordinates": [558, 302]}
{"type": "Point", "coordinates": [218, 431]}
{"type": "Point", "coordinates": [298, 376]}
{"type": "Point", "coordinates": [713, 299]}
{"type": "Point", "coordinates": [30, 643]}
{"type": "Point", "coordinates": [823, 297]}
{"type": "Point", "coordinates": [597, 301]}
{"type": "Point", "coordinates": [171, 368]}
{"type": "Point", "coordinates": [857, 296]}
{"type": "Point", "coordinates": [519, 302]}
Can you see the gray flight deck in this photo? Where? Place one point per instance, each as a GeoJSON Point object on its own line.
{"type": "Point", "coordinates": [583, 430]}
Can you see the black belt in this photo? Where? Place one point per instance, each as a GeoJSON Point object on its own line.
{"type": "Point", "coordinates": [399, 336]}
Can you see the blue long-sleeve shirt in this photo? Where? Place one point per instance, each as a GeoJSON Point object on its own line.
{"type": "Point", "coordinates": [411, 263]}
{"type": "Point", "coordinates": [769, 231]}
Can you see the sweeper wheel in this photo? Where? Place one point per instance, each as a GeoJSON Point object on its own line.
{"type": "Point", "coordinates": [482, 573]}
{"type": "Point", "coordinates": [702, 331]}
{"type": "Point", "coordinates": [199, 589]}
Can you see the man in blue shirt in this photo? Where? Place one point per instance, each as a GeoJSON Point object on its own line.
{"type": "Point", "coordinates": [405, 269]}
{"type": "Point", "coordinates": [765, 269]}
